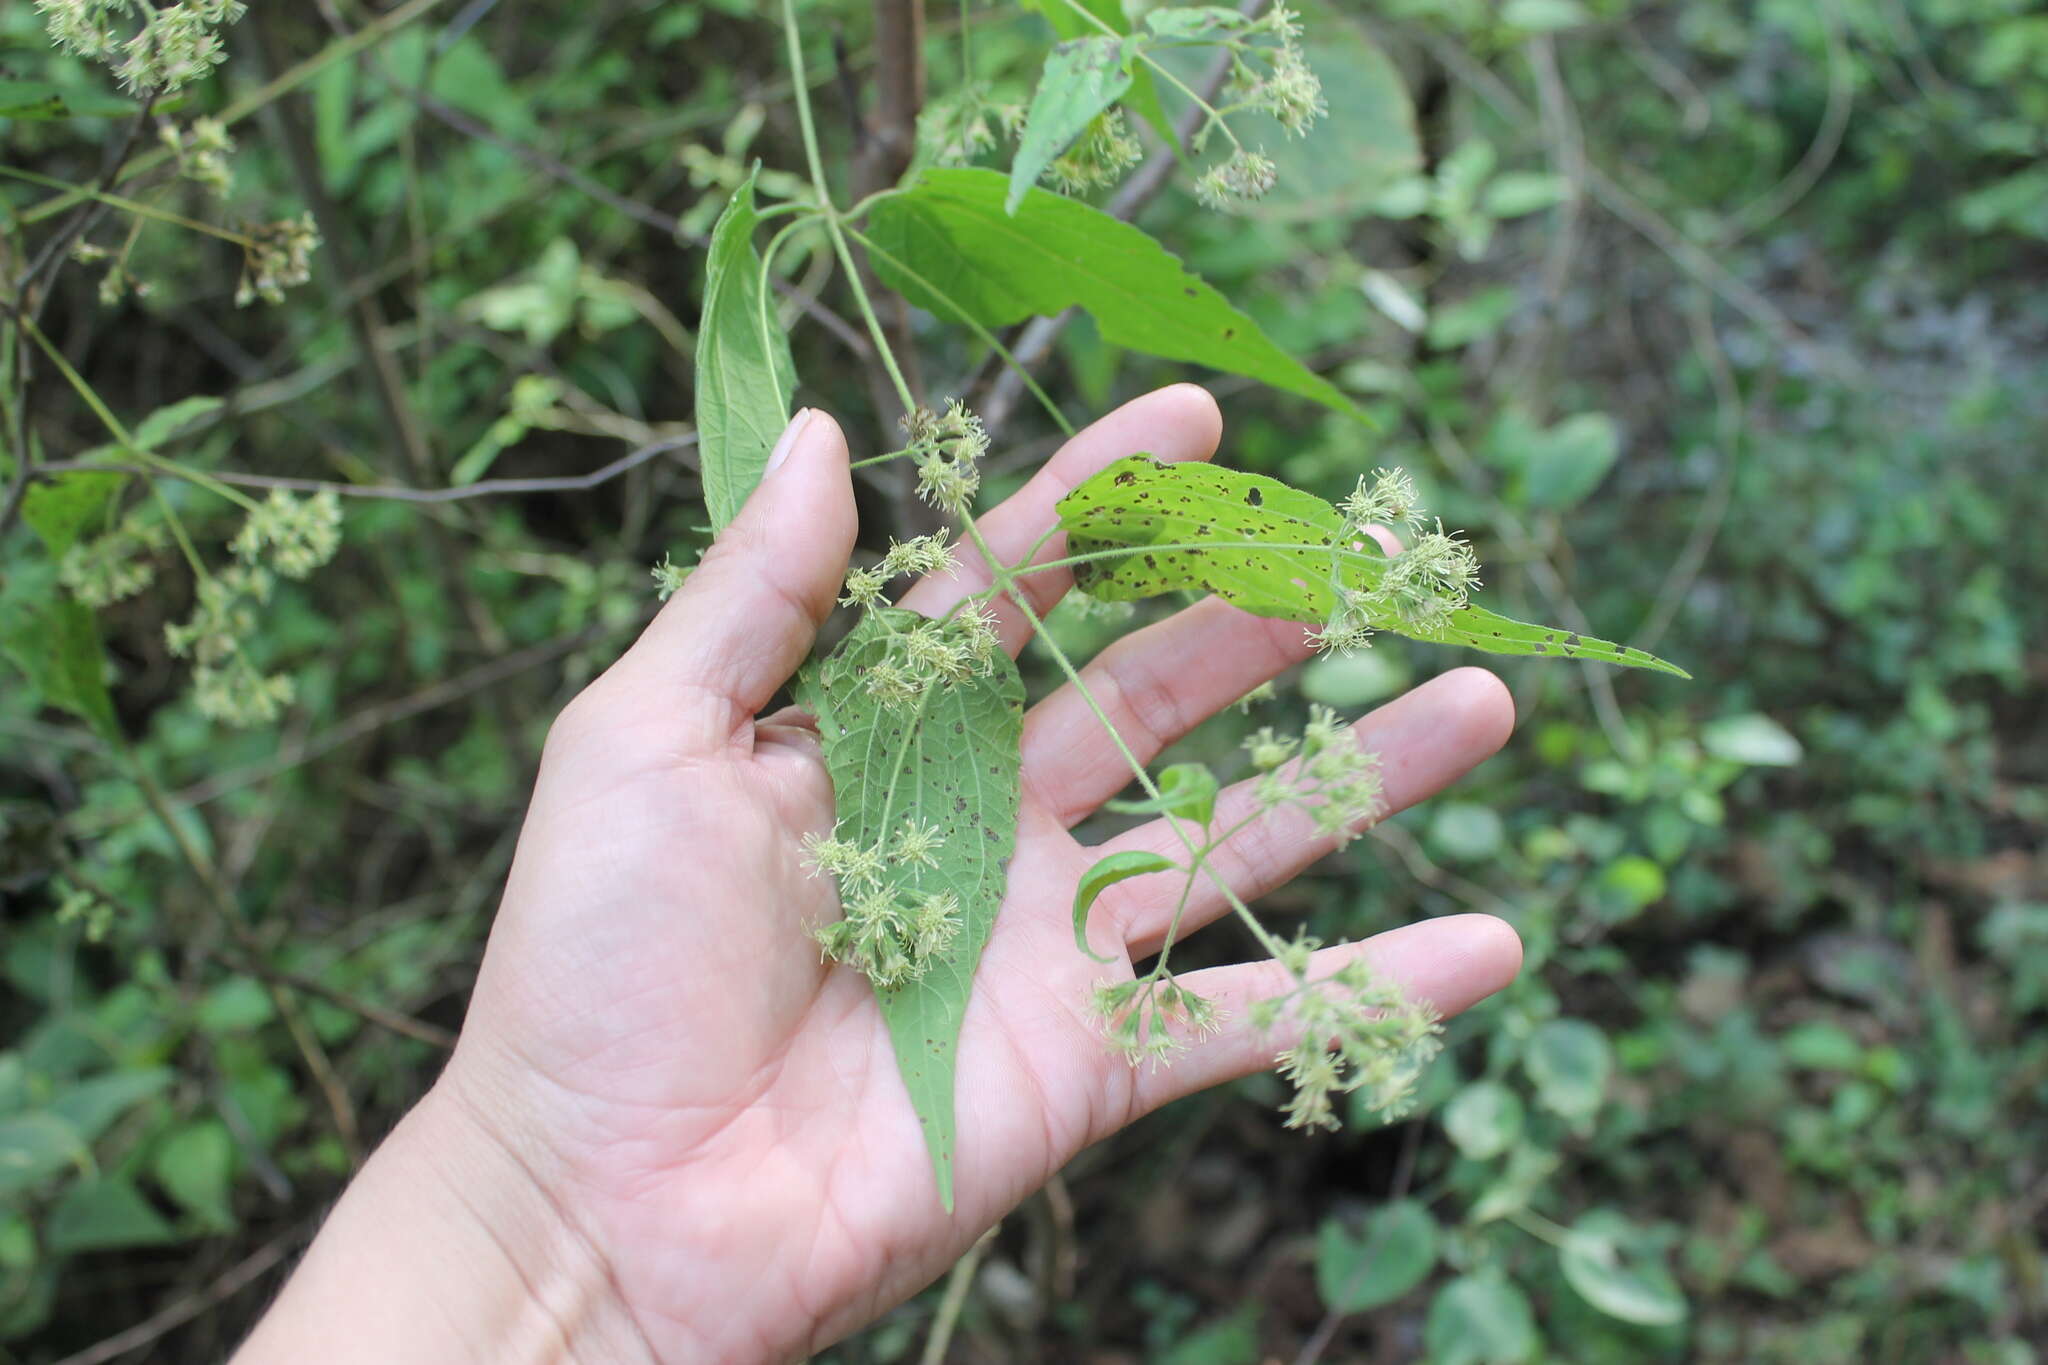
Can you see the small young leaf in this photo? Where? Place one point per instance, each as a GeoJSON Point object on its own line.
{"type": "Point", "coordinates": [174, 419]}
{"type": "Point", "coordinates": [1082, 78]}
{"type": "Point", "coordinates": [1117, 867]}
{"type": "Point", "coordinates": [745, 375]}
{"type": "Point", "coordinates": [1186, 790]}
{"type": "Point", "coordinates": [949, 246]}
{"type": "Point", "coordinates": [1484, 1119]}
{"type": "Point", "coordinates": [1268, 548]}
{"type": "Point", "coordinates": [950, 762]}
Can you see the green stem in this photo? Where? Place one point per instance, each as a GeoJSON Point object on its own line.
{"type": "Point", "coordinates": [816, 161]}
{"type": "Point", "coordinates": [135, 207]}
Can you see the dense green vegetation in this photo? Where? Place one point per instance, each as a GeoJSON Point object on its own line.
{"type": "Point", "coordinates": [1718, 327]}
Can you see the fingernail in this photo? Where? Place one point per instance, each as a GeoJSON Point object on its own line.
{"type": "Point", "coordinates": [788, 442]}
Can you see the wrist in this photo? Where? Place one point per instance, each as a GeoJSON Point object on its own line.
{"type": "Point", "coordinates": [449, 1247]}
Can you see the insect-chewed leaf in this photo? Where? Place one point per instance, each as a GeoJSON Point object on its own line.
{"type": "Point", "coordinates": [745, 375]}
{"type": "Point", "coordinates": [1117, 867]}
{"type": "Point", "coordinates": [949, 246]}
{"type": "Point", "coordinates": [1268, 548]}
{"type": "Point", "coordinates": [1081, 79]}
{"type": "Point", "coordinates": [948, 759]}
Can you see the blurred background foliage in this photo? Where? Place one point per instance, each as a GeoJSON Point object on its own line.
{"type": "Point", "coordinates": [1721, 327]}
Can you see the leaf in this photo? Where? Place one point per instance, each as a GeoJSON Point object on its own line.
{"type": "Point", "coordinates": [1542, 16]}
{"type": "Point", "coordinates": [100, 1215]}
{"type": "Point", "coordinates": [60, 651]}
{"type": "Point", "coordinates": [1612, 1266]}
{"type": "Point", "coordinates": [1481, 1319]}
{"type": "Point", "coordinates": [1099, 18]}
{"type": "Point", "coordinates": [1570, 1062]}
{"type": "Point", "coordinates": [972, 259]}
{"type": "Point", "coordinates": [41, 100]}
{"type": "Point", "coordinates": [1265, 547]}
{"type": "Point", "coordinates": [92, 1106]}
{"type": "Point", "coordinates": [1366, 144]}
{"type": "Point", "coordinates": [1117, 867]}
{"type": "Point", "coordinates": [952, 763]}
{"type": "Point", "coordinates": [1515, 193]}
{"type": "Point", "coordinates": [1559, 467]}
{"type": "Point", "coordinates": [196, 1167]}
{"type": "Point", "coordinates": [1081, 79]}
{"type": "Point", "coordinates": [1396, 1252]}
{"type": "Point", "coordinates": [1186, 790]}
{"type": "Point", "coordinates": [1195, 22]}
{"type": "Point", "coordinates": [34, 1147]}
{"type": "Point", "coordinates": [1754, 739]}
{"type": "Point", "coordinates": [174, 420]}
{"type": "Point", "coordinates": [1484, 1120]}
{"type": "Point", "coordinates": [745, 375]}
{"type": "Point", "coordinates": [59, 510]}
{"type": "Point", "coordinates": [1392, 297]}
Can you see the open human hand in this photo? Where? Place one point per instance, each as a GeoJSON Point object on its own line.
{"type": "Point", "coordinates": [670, 1132]}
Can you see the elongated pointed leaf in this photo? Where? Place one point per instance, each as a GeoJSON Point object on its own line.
{"type": "Point", "coordinates": [1081, 79]}
{"type": "Point", "coordinates": [952, 762]}
{"type": "Point", "coordinates": [1268, 548]}
{"type": "Point", "coordinates": [1109, 15]}
{"type": "Point", "coordinates": [1117, 867]}
{"type": "Point", "coordinates": [744, 372]}
{"type": "Point", "coordinates": [949, 246]}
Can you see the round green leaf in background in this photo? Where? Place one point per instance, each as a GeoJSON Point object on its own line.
{"type": "Point", "coordinates": [1609, 1262]}
{"type": "Point", "coordinates": [1484, 1119]}
{"type": "Point", "coordinates": [1395, 1253]}
{"type": "Point", "coordinates": [1481, 1319]}
{"type": "Point", "coordinates": [1570, 1061]}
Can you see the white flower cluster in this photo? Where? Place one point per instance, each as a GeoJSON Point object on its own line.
{"type": "Point", "coordinates": [1358, 1034]}
{"type": "Point", "coordinates": [947, 449]}
{"type": "Point", "coordinates": [202, 152]}
{"type": "Point", "coordinates": [153, 48]}
{"type": "Point", "coordinates": [1099, 157]}
{"type": "Point", "coordinates": [1268, 75]}
{"type": "Point", "coordinates": [113, 567]}
{"type": "Point", "coordinates": [279, 257]}
{"type": "Point", "coordinates": [931, 654]}
{"type": "Point", "coordinates": [890, 932]}
{"type": "Point", "coordinates": [924, 554]}
{"type": "Point", "coordinates": [1419, 590]}
{"type": "Point", "coordinates": [1151, 1018]}
{"type": "Point", "coordinates": [284, 535]}
{"type": "Point", "coordinates": [1338, 783]}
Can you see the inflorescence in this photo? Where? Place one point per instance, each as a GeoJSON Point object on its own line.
{"type": "Point", "coordinates": [1419, 590]}
{"type": "Point", "coordinates": [947, 449]}
{"type": "Point", "coordinates": [887, 929]}
{"type": "Point", "coordinates": [153, 48]}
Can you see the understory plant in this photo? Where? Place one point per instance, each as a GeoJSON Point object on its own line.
{"type": "Point", "coordinates": [921, 719]}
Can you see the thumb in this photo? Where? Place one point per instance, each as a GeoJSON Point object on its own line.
{"type": "Point", "coordinates": [746, 618]}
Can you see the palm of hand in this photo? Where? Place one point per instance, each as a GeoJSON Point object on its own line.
{"type": "Point", "coordinates": [718, 1111]}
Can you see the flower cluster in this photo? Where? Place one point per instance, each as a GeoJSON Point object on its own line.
{"type": "Point", "coordinates": [888, 928]}
{"type": "Point", "coordinates": [947, 449]}
{"type": "Point", "coordinates": [1268, 75]}
{"type": "Point", "coordinates": [930, 654]}
{"type": "Point", "coordinates": [93, 915]}
{"type": "Point", "coordinates": [924, 554]}
{"type": "Point", "coordinates": [226, 685]}
{"type": "Point", "coordinates": [202, 152]}
{"type": "Point", "coordinates": [1148, 1018]}
{"type": "Point", "coordinates": [113, 567]}
{"type": "Point", "coordinates": [1099, 157]}
{"type": "Point", "coordinates": [1338, 783]}
{"type": "Point", "coordinates": [669, 578]}
{"type": "Point", "coordinates": [296, 535]}
{"type": "Point", "coordinates": [1358, 1034]}
{"type": "Point", "coordinates": [956, 129]}
{"type": "Point", "coordinates": [1419, 589]}
{"type": "Point", "coordinates": [1244, 176]}
{"type": "Point", "coordinates": [279, 257]}
{"type": "Point", "coordinates": [157, 48]}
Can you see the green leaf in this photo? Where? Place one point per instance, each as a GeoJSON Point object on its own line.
{"type": "Point", "coordinates": [1559, 467]}
{"type": "Point", "coordinates": [1753, 738]}
{"type": "Point", "coordinates": [196, 1167]}
{"type": "Point", "coordinates": [41, 100]}
{"type": "Point", "coordinates": [1186, 790]}
{"type": "Point", "coordinates": [91, 1107]}
{"type": "Point", "coordinates": [60, 510]}
{"type": "Point", "coordinates": [35, 1146]}
{"type": "Point", "coordinates": [1101, 18]}
{"type": "Point", "coordinates": [174, 420]}
{"type": "Point", "coordinates": [1396, 1252]}
{"type": "Point", "coordinates": [1466, 831]}
{"type": "Point", "coordinates": [1267, 548]}
{"type": "Point", "coordinates": [745, 375]}
{"type": "Point", "coordinates": [1366, 144]}
{"type": "Point", "coordinates": [59, 649]}
{"type": "Point", "coordinates": [1484, 1119]}
{"type": "Point", "coordinates": [1570, 1061]}
{"type": "Point", "coordinates": [953, 763]}
{"type": "Point", "coordinates": [1195, 22]}
{"type": "Point", "coordinates": [1514, 193]}
{"type": "Point", "coordinates": [1613, 1267]}
{"type": "Point", "coordinates": [1542, 16]}
{"type": "Point", "coordinates": [1117, 867]}
{"type": "Point", "coordinates": [1481, 1319]}
{"type": "Point", "coordinates": [949, 246]}
{"type": "Point", "coordinates": [100, 1215]}
{"type": "Point", "coordinates": [1081, 79]}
